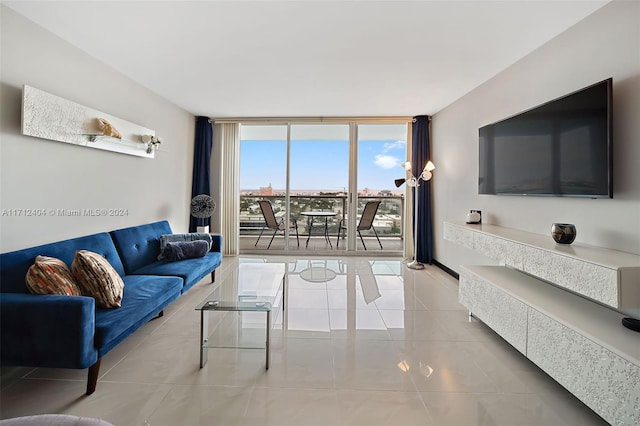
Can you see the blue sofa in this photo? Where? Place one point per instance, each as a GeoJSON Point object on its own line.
{"type": "Point", "coordinates": [69, 331]}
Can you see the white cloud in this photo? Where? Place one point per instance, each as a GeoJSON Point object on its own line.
{"type": "Point", "coordinates": [386, 161]}
{"type": "Point", "coordinates": [394, 145]}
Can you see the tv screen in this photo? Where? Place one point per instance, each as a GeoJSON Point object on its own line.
{"type": "Point", "coordinates": [562, 148]}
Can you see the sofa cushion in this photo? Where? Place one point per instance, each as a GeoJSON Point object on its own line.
{"type": "Point", "coordinates": [173, 238]}
{"type": "Point", "coordinates": [97, 278]}
{"type": "Point", "coordinates": [144, 297]}
{"type": "Point", "coordinates": [139, 245]}
{"type": "Point", "coordinates": [181, 250]}
{"type": "Point", "coordinates": [49, 275]}
{"type": "Point", "coordinates": [16, 264]}
{"type": "Point", "coordinates": [191, 270]}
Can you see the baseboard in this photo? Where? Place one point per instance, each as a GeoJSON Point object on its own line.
{"type": "Point", "coordinates": [448, 270]}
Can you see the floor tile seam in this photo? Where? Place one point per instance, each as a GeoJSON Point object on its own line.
{"type": "Point", "coordinates": [486, 373]}
{"type": "Point", "coordinates": [367, 388]}
{"type": "Point", "coordinates": [304, 338]}
{"type": "Point", "coordinates": [159, 406]}
{"type": "Point", "coordinates": [25, 375]}
{"type": "Point", "coordinates": [251, 393]}
{"type": "Point", "coordinates": [382, 316]}
{"type": "Point", "coordinates": [303, 386]}
{"type": "Point", "coordinates": [295, 388]}
{"type": "Point", "coordinates": [352, 341]}
{"type": "Point", "coordinates": [363, 339]}
{"type": "Point", "coordinates": [285, 333]}
{"type": "Point", "coordinates": [414, 383]}
{"type": "Point", "coordinates": [48, 379]}
{"type": "Point", "coordinates": [334, 367]}
{"type": "Point", "coordinates": [10, 386]}
{"type": "Point", "coordinates": [424, 405]}
{"type": "Point", "coordinates": [144, 337]}
{"type": "Point", "coordinates": [380, 391]}
{"type": "Point", "coordinates": [427, 339]}
{"type": "Point", "coordinates": [203, 385]}
{"type": "Point", "coordinates": [147, 383]}
{"type": "Point", "coordinates": [326, 295]}
{"type": "Point", "coordinates": [334, 372]}
{"type": "Point", "coordinates": [341, 416]}
{"type": "Point", "coordinates": [475, 392]}
{"type": "Point", "coordinates": [108, 370]}
{"type": "Point", "coordinates": [169, 334]}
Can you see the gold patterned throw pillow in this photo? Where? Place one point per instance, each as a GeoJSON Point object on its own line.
{"type": "Point", "coordinates": [49, 275]}
{"type": "Point", "coordinates": [97, 278]}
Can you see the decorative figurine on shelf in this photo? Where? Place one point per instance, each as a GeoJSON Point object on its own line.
{"type": "Point", "coordinates": [474, 216]}
{"type": "Point", "coordinates": [563, 233]}
{"type": "Point", "coordinates": [152, 142]}
{"type": "Point", "coordinates": [108, 129]}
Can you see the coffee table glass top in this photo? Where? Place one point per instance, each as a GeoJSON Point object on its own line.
{"type": "Point", "coordinates": [250, 287]}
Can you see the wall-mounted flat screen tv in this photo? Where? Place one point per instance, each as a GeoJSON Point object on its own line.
{"type": "Point", "coordinates": [562, 148]}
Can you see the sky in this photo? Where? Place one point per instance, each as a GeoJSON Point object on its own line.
{"type": "Point", "coordinates": [320, 164]}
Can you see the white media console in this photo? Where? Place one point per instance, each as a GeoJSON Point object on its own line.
{"type": "Point", "coordinates": [559, 306]}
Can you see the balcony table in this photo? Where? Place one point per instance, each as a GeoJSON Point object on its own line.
{"type": "Point", "coordinates": [321, 214]}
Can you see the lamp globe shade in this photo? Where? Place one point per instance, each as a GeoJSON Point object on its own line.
{"type": "Point", "coordinates": [202, 206]}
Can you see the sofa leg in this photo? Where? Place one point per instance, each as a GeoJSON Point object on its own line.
{"type": "Point", "coordinates": [213, 276]}
{"type": "Point", "coordinates": [160, 315]}
{"type": "Point", "coordinates": [92, 379]}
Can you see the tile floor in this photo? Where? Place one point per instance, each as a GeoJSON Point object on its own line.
{"type": "Point", "coordinates": [379, 344]}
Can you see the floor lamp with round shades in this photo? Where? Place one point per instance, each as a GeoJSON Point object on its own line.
{"type": "Point", "coordinates": [414, 182]}
{"type": "Point", "coordinates": [202, 207]}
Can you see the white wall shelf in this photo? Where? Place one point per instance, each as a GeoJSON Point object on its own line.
{"type": "Point", "coordinates": [51, 117]}
{"type": "Point", "coordinates": [93, 138]}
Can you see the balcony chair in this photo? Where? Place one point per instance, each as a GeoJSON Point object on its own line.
{"type": "Point", "coordinates": [271, 222]}
{"type": "Point", "coordinates": [366, 222]}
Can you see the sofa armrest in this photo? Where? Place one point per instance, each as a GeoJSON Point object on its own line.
{"type": "Point", "coordinates": [217, 243]}
{"type": "Point", "coordinates": [47, 330]}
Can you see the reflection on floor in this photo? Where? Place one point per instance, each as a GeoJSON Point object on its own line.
{"type": "Point", "coordinates": [361, 342]}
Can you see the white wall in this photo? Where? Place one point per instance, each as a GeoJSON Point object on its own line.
{"type": "Point", "coordinates": [42, 174]}
{"type": "Point", "coordinates": [605, 44]}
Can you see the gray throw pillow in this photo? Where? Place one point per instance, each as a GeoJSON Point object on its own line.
{"type": "Point", "coordinates": [192, 236]}
{"type": "Point", "coordinates": [181, 250]}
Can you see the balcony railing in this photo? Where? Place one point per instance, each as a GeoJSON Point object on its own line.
{"type": "Point", "coordinates": [388, 221]}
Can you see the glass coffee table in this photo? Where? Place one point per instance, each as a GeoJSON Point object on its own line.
{"type": "Point", "coordinates": [249, 290]}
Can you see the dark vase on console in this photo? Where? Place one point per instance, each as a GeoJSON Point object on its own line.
{"type": "Point", "coordinates": [563, 233]}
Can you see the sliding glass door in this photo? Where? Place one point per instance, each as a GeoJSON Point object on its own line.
{"type": "Point", "coordinates": [380, 152]}
{"type": "Point", "coordinates": [319, 170]}
{"type": "Point", "coordinates": [320, 181]}
{"type": "Point", "coordinates": [263, 177]}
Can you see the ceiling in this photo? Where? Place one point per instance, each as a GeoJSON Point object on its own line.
{"type": "Point", "coordinates": [308, 58]}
